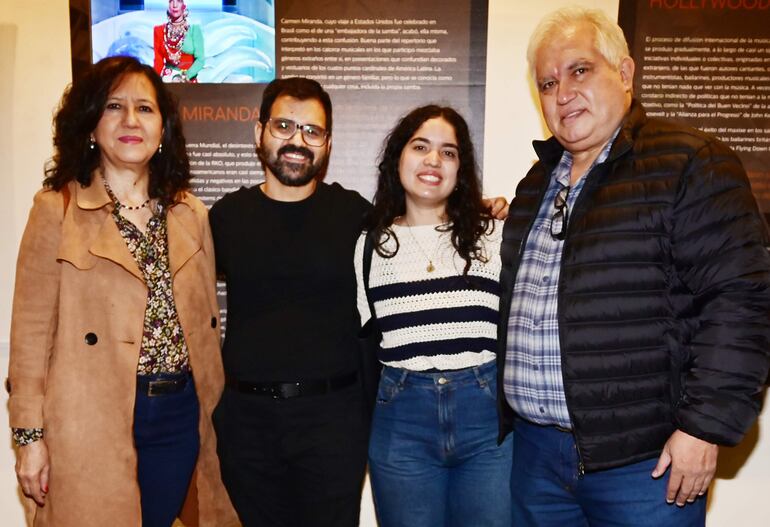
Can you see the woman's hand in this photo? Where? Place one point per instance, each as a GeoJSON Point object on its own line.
{"type": "Point", "coordinates": [32, 467]}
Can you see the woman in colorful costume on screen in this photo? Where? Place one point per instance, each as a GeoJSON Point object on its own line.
{"type": "Point", "coordinates": [434, 289]}
{"type": "Point", "coordinates": [178, 46]}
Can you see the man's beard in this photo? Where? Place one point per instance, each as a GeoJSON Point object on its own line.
{"type": "Point", "coordinates": [292, 174]}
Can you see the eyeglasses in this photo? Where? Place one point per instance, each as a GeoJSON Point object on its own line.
{"type": "Point", "coordinates": [286, 128]}
{"type": "Point", "coordinates": [561, 215]}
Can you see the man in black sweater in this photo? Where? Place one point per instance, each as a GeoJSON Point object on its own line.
{"type": "Point", "coordinates": [291, 428]}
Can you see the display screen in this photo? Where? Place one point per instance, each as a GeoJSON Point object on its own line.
{"type": "Point", "coordinates": [195, 41]}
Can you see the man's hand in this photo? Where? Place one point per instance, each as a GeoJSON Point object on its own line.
{"type": "Point", "coordinates": [498, 207]}
{"type": "Point", "coordinates": [32, 467]}
{"type": "Point", "coordinates": [693, 463]}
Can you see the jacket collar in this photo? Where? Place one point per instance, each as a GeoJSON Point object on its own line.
{"type": "Point", "coordinates": [92, 197]}
{"type": "Point", "coordinates": [633, 121]}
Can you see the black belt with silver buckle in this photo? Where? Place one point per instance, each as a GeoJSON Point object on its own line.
{"type": "Point", "coordinates": [152, 386]}
{"type": "Point", "coordinates": [288, 390]}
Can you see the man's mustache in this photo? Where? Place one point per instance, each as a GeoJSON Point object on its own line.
{"type": "Point", "coordinates": [294, 149]}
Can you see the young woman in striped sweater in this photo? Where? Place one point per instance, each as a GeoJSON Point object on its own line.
{"type": "Point", "coordinates": [433, 282]}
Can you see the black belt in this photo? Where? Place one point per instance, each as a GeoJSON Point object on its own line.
{"type": "Point", "coordinates": [164, 384]}
{"type": "Point", "coordinates": [287, 390]}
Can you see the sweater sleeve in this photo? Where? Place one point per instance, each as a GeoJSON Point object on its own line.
{"type": "Point", "coordinates": [361, 300]}
{"type": "Point", "coordinates": [719, 255]}
{"type": "Point", "coordinates": [35, 306]}
{"type": "Point", "coordinates": [198, 52]}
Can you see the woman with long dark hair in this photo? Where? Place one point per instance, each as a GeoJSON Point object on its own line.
{"type": "Point", "coordinates": [115, 365]}
{"type": "Point", "coordinates": [433, 285]}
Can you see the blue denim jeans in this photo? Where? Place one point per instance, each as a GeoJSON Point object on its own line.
{"type": "Point", "coordinates": [547, 491]}
{"type": "Point", "coordinates": [167, 442]}
{"type": "Point", "coordinates": [433, 454]}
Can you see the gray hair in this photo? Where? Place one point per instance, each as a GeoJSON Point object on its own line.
{"type": "Point", "coordinates": [609, 39]}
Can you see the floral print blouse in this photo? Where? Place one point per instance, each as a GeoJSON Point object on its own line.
{"type": "Point", "coordinates": [163, 346]}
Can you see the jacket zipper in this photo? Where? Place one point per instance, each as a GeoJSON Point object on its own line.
{"type": "Point", "coordinates": [581, 466]}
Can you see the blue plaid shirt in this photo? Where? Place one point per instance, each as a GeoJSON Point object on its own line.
{"type": "Point", "coordinates": [533, 382]}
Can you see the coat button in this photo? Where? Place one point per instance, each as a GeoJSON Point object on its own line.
{"type": "Point", "coordinates": [8, 385]}
{"type": "Point", "coordinates": [213, 322]}
{"type": "Point", "coordinates": [91, 339]}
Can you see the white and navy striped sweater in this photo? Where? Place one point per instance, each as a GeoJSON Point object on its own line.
{"type": "Point", "coordinates": [433, 320]}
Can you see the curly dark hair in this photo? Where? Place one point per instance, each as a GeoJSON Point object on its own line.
{"type": "Point", "coordinates": [80, 110]}
{"type": "Point", "coordinates": [467, 218]}
{"type": "Point", "coordinates": [300, 88]}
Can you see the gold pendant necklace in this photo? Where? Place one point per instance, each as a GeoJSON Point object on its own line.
{"type": "Point", "coordinates": [430, 268]}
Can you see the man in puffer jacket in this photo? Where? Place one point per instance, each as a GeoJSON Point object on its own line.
{"type": "Point", "coordinates": [635, 325]}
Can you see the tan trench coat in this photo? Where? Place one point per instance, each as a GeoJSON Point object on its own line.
{"type": "Point", "coordinates": [76, 276]}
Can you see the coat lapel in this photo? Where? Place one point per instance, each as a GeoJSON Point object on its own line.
{"type": "Point", "coordinates": [108, 242]}
{"type": "Point", "coordinates": [183, 242]}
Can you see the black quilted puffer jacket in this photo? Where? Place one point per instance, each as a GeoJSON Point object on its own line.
{"type": "Point", "coordinates": [664, 293]}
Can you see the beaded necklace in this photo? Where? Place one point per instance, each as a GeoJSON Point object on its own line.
{"type": "Point", "coordinates": [174, 33]}
{"type": "Point", "coordinates": [118, 204]}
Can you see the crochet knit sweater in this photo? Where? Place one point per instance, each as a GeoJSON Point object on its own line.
{"type": "Point", "coordinates": [435, 319]}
